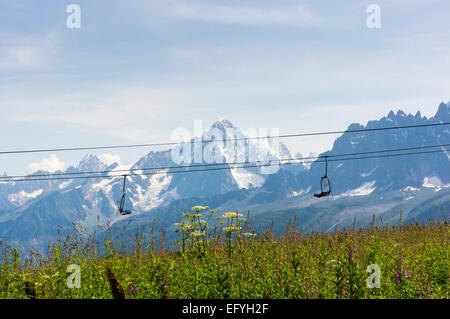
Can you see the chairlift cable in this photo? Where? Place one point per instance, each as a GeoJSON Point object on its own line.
{"type": "Point", "coordinates": [207, 141]}
{"type": "Point", "coordinates": [217, 164]}
{"type": "Point", "coordinates": [278, 162]}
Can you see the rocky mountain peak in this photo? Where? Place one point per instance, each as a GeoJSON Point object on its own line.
{"type": "Point", "coordinates": [443, 113]}
{"type": "Point", "coordinates": [91, 162]}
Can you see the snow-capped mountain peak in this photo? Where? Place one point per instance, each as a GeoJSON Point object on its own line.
{"type": "Point", "coordinates": [222, 123]}
{"type": "Point", "coordinates": [91, 162]}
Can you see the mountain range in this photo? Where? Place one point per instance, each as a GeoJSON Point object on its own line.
{"type": "Point", "coordinates": [31, 213]}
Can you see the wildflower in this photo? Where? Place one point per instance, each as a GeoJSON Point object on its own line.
{"type": "Point", "coordinates": [402, 270]}
{"type": "Point", "coordinates": [350, 253]}
{"type": "Point", "coordinates": [198, 209]}
{"type": "Point", "coordinates": [134, 288]}
{"type": "Point", "coordinates": [231, 229]}
{"type": "Point", "coordinates": [231, 215]}
{"type": "Point", "coordinates": [397, 277]}
{"type": "Point", "coordinates": [197, 233]}
{"type": "Point", "coordinates": [184, 226]}
{"type": "Point", "coordinates": [249, 235]}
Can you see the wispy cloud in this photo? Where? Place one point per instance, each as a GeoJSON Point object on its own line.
{"type": "Point", "coordinates": [246, 15]}
{"type": "Point", "coordinates": [126, 114]}
{"type": "Point", "coordinates": [19, 58]}
{"type": "Point", "coordinates": [20, 51]}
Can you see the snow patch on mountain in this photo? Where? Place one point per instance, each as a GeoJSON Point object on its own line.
{"type": "Point", "coordinates": [64, 185]}
{"type": "Point", "coordinates": [434, 182]}
{"type": "Point", "coordinates": [123, 169]}
{"type": "Point", "coordinates": [22, 197]}
{"type": "Point", "coordinates": [104, 184]}
{"type": "Point", "coordinates": [246, 179]}
{"type": "Point", "coordinates": [109, 159]}
{"type": "Point", "coordinates": [368, 174]}
{"type": "Point", "coordinates": [301, 192]}
{"type": "Point", "coordinates": [146, 199]}
{"type": "Point", "coordinates": [364, 190]}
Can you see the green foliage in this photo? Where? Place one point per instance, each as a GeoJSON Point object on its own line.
{"type": "Point", "coordinates": [230, 261]}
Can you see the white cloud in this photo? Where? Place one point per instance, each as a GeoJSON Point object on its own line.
{"type": "Point", "coordinates": [109, 159]}
{"type": "Point", "coordinates": [50, 164]}
{"type": "Point", "coordinates": [20, 51]}
{"type": "Point", "coordinates": [293, 16]}
{"type": "Point", "coordinates": [25, 57]}
{"type": "Point", "coordinates": [19, 58]}
{"type": "Point", "coordinates": [126, 114]}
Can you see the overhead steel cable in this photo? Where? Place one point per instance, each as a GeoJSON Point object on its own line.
{"type": "Point", "coordinates": [217, 164]}
{"type": "Point", "coordinates": [207, 141]}
{"type": "Point", "coordinates": [270, 163]}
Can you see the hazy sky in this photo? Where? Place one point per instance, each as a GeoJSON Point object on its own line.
{"type": "Point", "coordinates": [138, 69]}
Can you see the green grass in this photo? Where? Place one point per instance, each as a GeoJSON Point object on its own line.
{"type": "Point", "coordinates": [228, 262]}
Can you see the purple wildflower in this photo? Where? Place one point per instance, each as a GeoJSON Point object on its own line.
{"type": "Point", "coordinates": [134, 288]}
{"type": "Point", "coordinates": [400, 270]}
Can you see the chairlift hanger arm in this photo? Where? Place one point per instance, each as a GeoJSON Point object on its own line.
{"type": "Point", "coordinates": [122, 200]}
{"type": "Point", "coordinates": [124, 182]}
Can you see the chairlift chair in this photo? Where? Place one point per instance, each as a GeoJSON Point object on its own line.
{"type": "Point", "coordinates": [122, 200]}
{"type": "Point", "coordinates": [325, 184]}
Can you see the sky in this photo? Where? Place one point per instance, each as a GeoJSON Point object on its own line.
{"type": "Point", "coordinates": [135, 71]}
